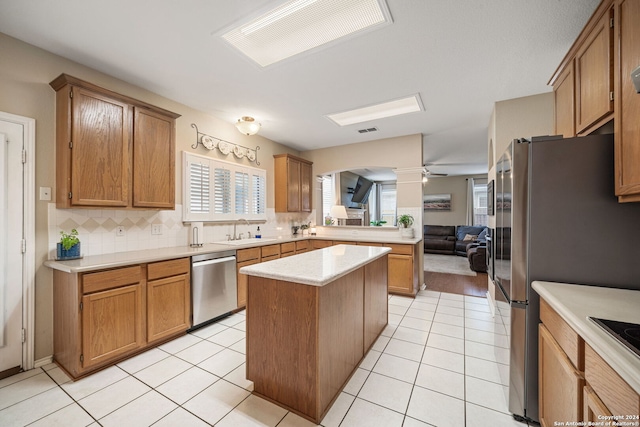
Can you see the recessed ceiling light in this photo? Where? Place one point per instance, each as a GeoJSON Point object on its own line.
{"type": "Point", "coordinates": [297, 26]}
{"type": "Point", "coordinates": [410, 104]}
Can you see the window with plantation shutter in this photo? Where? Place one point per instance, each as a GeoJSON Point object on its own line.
{"type": "Point", "coordinates": [259, 193]}
{"type": "Point", "coordinates": [199, 188]}
{"type": "Point", "coordinates": [241, 185]}
{"type": "Point", "coordinates": [222, 191]}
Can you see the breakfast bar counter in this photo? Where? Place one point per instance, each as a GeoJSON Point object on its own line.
{"type": "Point", "coordinates": [311, 318]}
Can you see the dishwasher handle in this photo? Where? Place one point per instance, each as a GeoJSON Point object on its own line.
{"type": "Point", "coordinates": [213, 261]}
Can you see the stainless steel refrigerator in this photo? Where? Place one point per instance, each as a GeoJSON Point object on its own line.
{"type": "Point", "coordinates": [557, 219]}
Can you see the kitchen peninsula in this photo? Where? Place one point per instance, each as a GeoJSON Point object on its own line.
{"type": "Point", "coordinates": [311, 318]}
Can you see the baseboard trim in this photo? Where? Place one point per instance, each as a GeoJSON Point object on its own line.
{"type": "Point", "coordinates": [42, 362]}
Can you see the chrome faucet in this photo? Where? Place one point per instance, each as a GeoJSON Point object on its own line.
{"type": "Point", "coordinates": [236, 237]}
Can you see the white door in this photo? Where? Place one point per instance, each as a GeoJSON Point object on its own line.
{"type": "Point", "coordinates": [11, 237]}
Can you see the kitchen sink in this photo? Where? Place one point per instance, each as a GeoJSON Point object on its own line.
{"type": "Point", "coordinates": [243, 241]}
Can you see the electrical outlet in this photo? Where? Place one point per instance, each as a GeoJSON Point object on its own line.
{"type": "Point", "coordinates": [156, 229]}
{"type": "Point", "coordinates": [120, 230]}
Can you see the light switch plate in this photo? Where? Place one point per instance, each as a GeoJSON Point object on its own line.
{"type": "Point", "coordinates": [156, 229]}
{"type": "Point", "coordinates": [45, 193]}
{"type": "Point", "coordinates": [120, 230]}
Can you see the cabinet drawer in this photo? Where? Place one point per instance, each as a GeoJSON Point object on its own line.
{"type": "Point", "coordinates": [369, 244]}
{"type": "Point", "coordinates": [302, 246]}
{"type": "Point", "coordinates": [319, 244]}
{"type": "Point", "coordinates": [570, 342]}
{"type": "Point", "coordinates": [103, 280]}
{"type": "Point", "coordinates": [269, 258]}
{"type": "Point", "coordinates": [247, 254]}
{"type": "Point", "coordinates": [270, 251]}
{"type": "Point", "coordinates": [343, 242]}
{"type": "Point", "coordinates": [614, 392]}
{"type": "Point", "coordinates": [173, 267]}
{"type": "Point", "coordinates": [400, 249]}
{"type": "Point", "coordinates": [287, 247]}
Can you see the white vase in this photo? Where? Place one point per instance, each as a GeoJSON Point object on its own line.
{"type": "Point", "coordinates": [407, 233]}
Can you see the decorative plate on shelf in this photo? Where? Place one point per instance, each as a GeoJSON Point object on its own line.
{"type": "Point", "coordinates": [224, 147]}
{"type": "Point", "coordinates": [238, 151]}
{"type": "Point", "coordinates": [251, 155]}
{"type": "Point", "coordinates": [208, 142]}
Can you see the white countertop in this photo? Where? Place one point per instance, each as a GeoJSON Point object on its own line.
{"type": "Point", "coordinates": [121, 259]}
{"type": "Point", "coordinates": [319, 267]}
{"type": "Point", "coordinates": [575, 303]}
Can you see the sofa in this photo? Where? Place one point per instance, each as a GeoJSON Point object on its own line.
{"type": "Point", "coordinates": [477, 256]}
{"type": "Point", "coordinates": [440, 239]}
{"type": "Point", "coordinates": [466, 234]}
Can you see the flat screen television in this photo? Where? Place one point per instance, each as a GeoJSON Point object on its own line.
{"type": "Point", "coordinates": [361, 190]}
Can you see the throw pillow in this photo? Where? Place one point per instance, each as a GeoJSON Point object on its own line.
{"type": "Point", "coordinates": [469, 237]}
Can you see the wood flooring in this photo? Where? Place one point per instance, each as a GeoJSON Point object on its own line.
{"type": "Point", "coordinates": [457, 284]}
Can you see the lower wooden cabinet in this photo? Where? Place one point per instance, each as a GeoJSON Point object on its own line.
{"type": "Point", "coordinates": [111, 324]}
{"type": "Point", "coordinates": [168, 299]}
{"type": "Point", "coordinates": [245, 257]}
{"type": "Point", "coordinates": [560, 383]}
{"type": "Point", "coordinates": [594, 409]}
{"type": "Point", "coordinates": [566, 392]}
{"type": "Point", "coordinates": [403, 275]}
{"type": "Point", "coordinates": [103, 317]}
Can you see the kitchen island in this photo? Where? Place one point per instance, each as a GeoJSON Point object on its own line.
{"type": "Point", "coordinates": [311, 318]}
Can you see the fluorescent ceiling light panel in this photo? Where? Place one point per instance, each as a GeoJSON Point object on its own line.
{"type": "Point", "coordinates": [297, 26]}
{"type": "Point", "coordinates": [411, 104]}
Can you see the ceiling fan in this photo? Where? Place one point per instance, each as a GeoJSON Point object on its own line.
{"type": "Point", "coordinates": [430, 174]}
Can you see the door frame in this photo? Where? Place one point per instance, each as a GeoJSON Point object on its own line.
{"type": "Point", "coordinates": [29, 235]}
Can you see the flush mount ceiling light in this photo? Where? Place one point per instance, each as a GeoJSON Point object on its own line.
{"type": "Point", "coordinates": [407, 105]}
{"type": "Point", "coordinates": [247, 125]}
{"type": "Point", "coordinates": [297, 26]}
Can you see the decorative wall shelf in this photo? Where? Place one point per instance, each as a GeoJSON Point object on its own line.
{"type": "Point", "coordinates": [225, 147]}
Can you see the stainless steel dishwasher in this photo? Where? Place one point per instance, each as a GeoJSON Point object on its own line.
{"type": "Point", "coordinates": [214, 292]}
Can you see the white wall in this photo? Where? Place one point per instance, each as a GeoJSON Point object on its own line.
{"type": "Point", "coordinates": [457, 187]}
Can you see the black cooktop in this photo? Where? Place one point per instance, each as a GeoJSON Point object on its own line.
{"type": "Point", "coordinates": [627, 333]}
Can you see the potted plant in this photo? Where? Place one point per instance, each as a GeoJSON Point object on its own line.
{"type": "Point", "coordinates": [305, 227]}
{"type": "Point", "coordinates": [405, 222]}
{"type": "Point", "coordinates": [378, 223]}
{"type": "Point", "coordinates": [69, 245]}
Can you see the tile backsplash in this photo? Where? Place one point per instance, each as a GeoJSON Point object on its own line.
{"type": "Point", "coordinates": [97, 228]}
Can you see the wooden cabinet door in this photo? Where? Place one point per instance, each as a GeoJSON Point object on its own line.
{"type": "Point", "coordinates": [565, 100]}
{"type": "Point", "coordinates": [560, 383]}
{"type": "Point", "coordinates": [153, 160]}
{"type": "Point", "coordinates": [627, 122]}
{"type": "Point", "coordinates": [305, 187]}
{"type": "Point", "coordinates": [168, 307]}
{"type": "Point", "coordinates": [112, 324]}
{"type": "Point", "coordinates": [400, 273]}
{"type": "Point", "coordinates": [293, 185]}
{"type": "Point", "coordinates": [594, 409]}
{"type": "Point", "coordinates": [242, 280]}
{"type": "Point", "coordinates": [100, 132]}
{"type": "Point", "coordinates": [594, 76]}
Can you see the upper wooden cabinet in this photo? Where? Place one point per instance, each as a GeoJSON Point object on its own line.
{"type": "Point", "coordinates": [592, 86]}
{"type": "Point", "coordinates": [594, 75]}
{"type": "Point", "coordinates": [627, 101]}
{"type": "Point", "coordinates": [292, 183]}
{"type": "Point", "coordinates": [565, 101]}
{"type": "Point", "coordinates": [112, 150]}
{"type": "Point", "coordinates": [583, 83]}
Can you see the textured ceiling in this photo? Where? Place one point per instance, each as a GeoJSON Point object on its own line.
{"type": "Point", "coordinates": [460, 56]}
